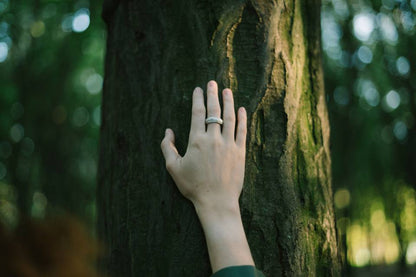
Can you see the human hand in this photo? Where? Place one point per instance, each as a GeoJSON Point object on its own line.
{"type": "Point", "coordinates": [211, 173]}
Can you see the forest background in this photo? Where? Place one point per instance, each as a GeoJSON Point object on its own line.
{"type": "Point", "coordinates": [51, 75]}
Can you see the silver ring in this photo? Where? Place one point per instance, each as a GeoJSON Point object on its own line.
{"type": "Point", "coordinates": [213, 119]}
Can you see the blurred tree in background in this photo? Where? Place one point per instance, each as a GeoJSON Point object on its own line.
{"type": "Point", "coordinates": [51, 64]}
{"type": "Point", "coordinates": [51, 68]}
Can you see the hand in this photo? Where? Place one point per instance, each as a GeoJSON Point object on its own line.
{"type": "Point", "coordinates": [211, 173]}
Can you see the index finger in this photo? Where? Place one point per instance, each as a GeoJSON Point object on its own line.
{"type": "Point", "coordinates": [198, 112]}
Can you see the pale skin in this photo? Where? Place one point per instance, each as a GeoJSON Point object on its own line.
{"type": "Point", "coordinates": [211, 174]}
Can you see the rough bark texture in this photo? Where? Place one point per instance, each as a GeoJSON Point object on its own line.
{"type": "Point", "coordinates": [268, 53]}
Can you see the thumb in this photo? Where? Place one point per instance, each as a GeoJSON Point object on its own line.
{"type": "Point", "coordinates": [169, 150]}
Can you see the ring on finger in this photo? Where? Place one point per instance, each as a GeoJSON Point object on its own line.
{"type": "Point", "coordinates": [213, 119]}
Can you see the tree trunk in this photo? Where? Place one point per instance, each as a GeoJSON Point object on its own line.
{"type": "Point", "coordinates": [268, 53]}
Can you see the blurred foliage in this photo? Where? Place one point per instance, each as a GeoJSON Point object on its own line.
{"type": "Point", "coordinates": [51, 68]}
{"type": "Point", "coordinates": [369, 63]}
{"type": "Point", "coordinates": [51, 55]}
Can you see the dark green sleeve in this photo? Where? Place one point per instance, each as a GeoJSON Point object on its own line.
{"type": "Point", "coordinates": [238, 271]}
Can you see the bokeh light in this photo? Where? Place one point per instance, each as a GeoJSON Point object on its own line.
{"type": "Point", "coordinates": [400, 130]}
{"type": "Point", "coordinates": [403, 66]}
{"type": "Point", "coordinates": [39, 205]}
{"type": "Point", "coordinates": [411, 253]}
{"type": "Point", "coordinates": [363, 26]}
{"type": "Point", "coordinates": [342, 198]}
{"type": "Point", "coordinates": [66, 23]}
{"type": "Point", "coordinates": [364, 54]}
{"type": "Point", "coordinates": [392, 100]}
{"type": "Point", "coordinates": [4, 51]}
{"type": "Point", "coordinates": [94, 83]}
{"type": "Point", "coordinates": [387, 28]}
{"type": "Point", "coordinates": [17, 132]}
{"type": "Point", "coordinates": [372, 96]}
{"type": "Point", "coordinates": [81, 20]}
{"type": "Point", "coordinates": [8, 209]}
{"type": "Point", "coordinates": [37, 29]}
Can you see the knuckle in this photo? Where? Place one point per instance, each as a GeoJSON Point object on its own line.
{"type": "Point", "coordinates": [196, 144]}
{"type": "Point", "coordinates": [229, 117]}
{"type": "Point", "coordinates": [198, 138]}
{"type": "Point", "coordinates": [242, 133]}
{"type": "Point", "coordinates": [216, 143]}
{"type": "Point", "coordinates": [197, 141]}
{"type": "Point", "coordinates": [214, 110]}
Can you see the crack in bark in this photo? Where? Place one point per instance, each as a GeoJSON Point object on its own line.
{"type": "Point", "coordinates": [224, 32]}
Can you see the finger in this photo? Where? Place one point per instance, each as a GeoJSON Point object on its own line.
{"type": "Point", "coordinates": [213, 107]}
{"type": "Point", "coordinates": [169, 150]}
{"type": "Point", "coordinates": [241, 127]}
{"type": "Point", "coordinates": [198, 112]}
{"type": "Point", "coordinates": [228, 115]}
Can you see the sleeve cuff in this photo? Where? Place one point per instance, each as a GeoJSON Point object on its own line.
{"type": "Point", "coordinates": [238, 271]}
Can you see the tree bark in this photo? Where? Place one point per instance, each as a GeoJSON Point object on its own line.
{"type": "Point", "coordinates": [268, 53]}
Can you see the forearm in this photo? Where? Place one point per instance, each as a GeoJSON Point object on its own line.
{"type": "Point", "coordinates": [225, 236]}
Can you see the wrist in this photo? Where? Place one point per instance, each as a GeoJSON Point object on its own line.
{"type": "Point", "coordinates": [217, 211]}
